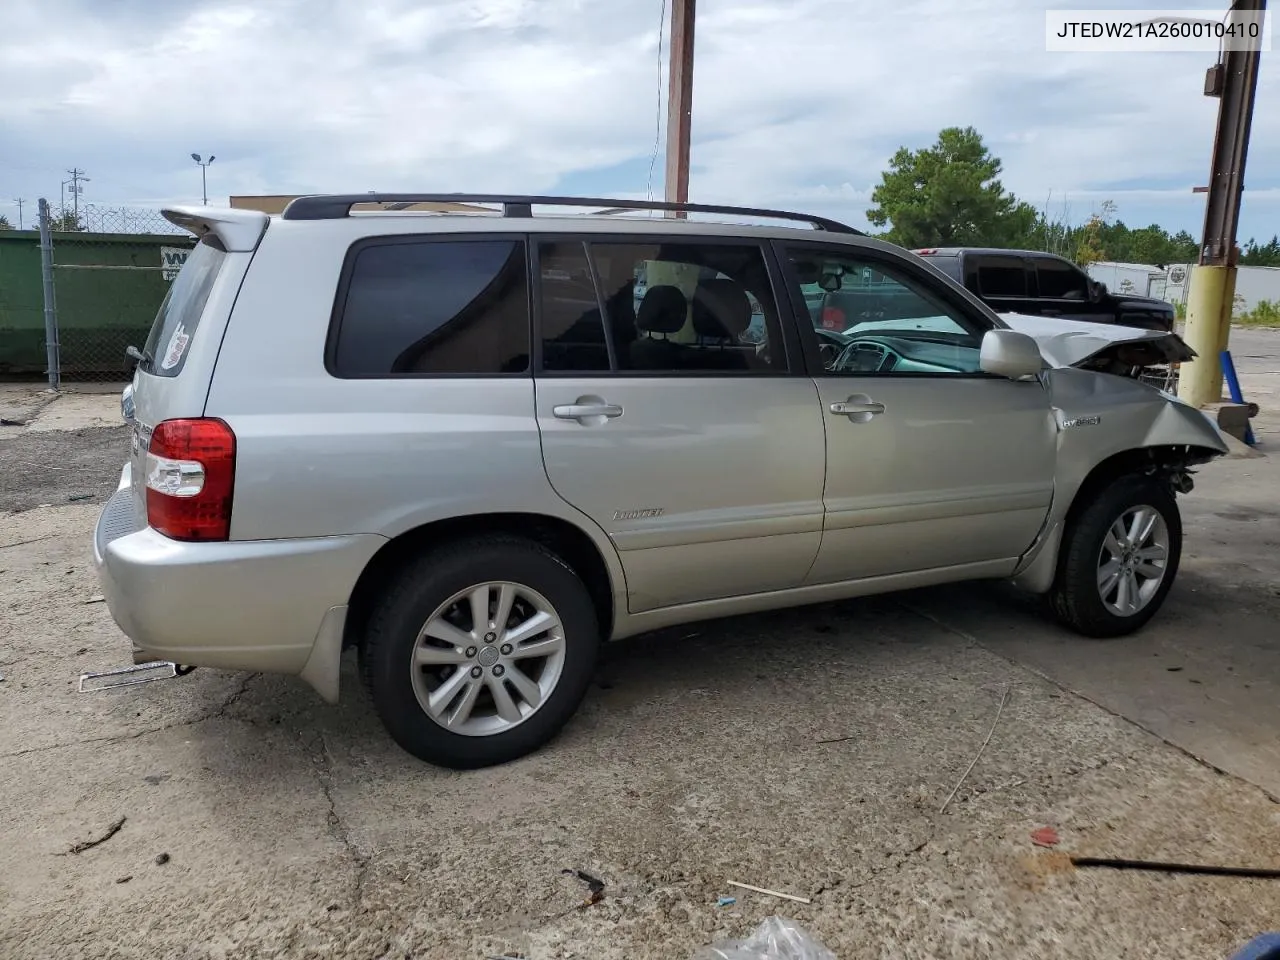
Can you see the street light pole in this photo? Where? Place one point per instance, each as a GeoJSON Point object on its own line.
{"type": "Point", "coordinates": [1234, 79]}
{"type": "Point", "coordinates": [204, 185]}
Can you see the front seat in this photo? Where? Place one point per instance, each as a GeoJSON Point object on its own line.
{"type": "Point", "coordinates": [662, 312]}
{"type": "Point", "coordinates": [721, 315]}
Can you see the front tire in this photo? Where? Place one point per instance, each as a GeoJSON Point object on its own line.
{"type": "Point", "coordinates": [1119, 558]}
{"type": "Point", "coordinates": [480, 652]}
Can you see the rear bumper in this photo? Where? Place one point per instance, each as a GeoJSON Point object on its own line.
{"type": "Point", "coordinates": [240, 605]}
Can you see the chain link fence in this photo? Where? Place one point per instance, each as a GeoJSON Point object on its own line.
{"type": "Point", "coordinates": [105, 272]}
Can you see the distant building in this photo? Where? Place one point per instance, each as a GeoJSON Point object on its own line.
{"type": "Point", "coordinates": [1173, 282]}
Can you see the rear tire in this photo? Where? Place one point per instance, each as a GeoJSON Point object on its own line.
{"type": "Point", "coordinates": [461, 693]}
{"type": "Point", "coordinates": [1119, 559]}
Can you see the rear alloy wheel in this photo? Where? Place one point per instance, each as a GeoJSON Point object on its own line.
{"type": "Point", "coordinates": [488, 658]}
{"type": "Point", "coordinates": [1119, 559]}
{"type": "Point", "coordinates": [481, 652]}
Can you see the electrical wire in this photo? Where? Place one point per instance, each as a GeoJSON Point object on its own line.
{"type": "Point", "coordinates": [657, 120]}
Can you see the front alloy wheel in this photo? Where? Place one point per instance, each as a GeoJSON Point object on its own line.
{"type": "Point", "coordinates": [1133, 560]}
{"type": "Point", "coordinates": [1119, 557]}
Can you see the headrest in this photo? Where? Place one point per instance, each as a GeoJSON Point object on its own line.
{"type": "Point", "coordinates": [720, 309]}
{"type": "Point", "coordinates": [807, 271]}
{"type": "Point", "coordinates": [663, 310]}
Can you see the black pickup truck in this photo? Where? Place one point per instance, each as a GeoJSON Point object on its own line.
{"type": "Point", "coordinates": [1041, 284]}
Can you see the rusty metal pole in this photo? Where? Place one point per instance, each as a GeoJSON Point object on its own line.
{"type": "Point", "coordinates": [1234, 79]}
{"type": "Point", "coordinates": [680, 102]}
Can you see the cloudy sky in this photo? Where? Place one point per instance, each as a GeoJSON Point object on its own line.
{"type": "Point", "coordinates": [798, 103]}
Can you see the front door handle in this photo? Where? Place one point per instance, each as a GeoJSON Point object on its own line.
{"type": "Point", "coordinates": [588, 411]}
{"type": "Point", "coordinates": [859, 408]}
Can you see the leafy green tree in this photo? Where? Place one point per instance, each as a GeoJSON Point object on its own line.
{"type": "Point", "coordinates": [66, 222]}
{"type": "Point", "coordinates": [4, 223]}
{"type": "Point", "coordinates": [948, 194]}
{"type": "Point", "coordinates": [1089, 247]}
{"type": "Point", "coordinates": [1254, 254]}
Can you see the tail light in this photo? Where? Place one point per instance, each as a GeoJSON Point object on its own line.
{"type": "Point", "coordinates": [191, 470]}
{"type": "Point", "coordinates": [833, 318]}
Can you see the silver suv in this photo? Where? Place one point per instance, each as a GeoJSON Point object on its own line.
{"type": "Point", "coordinates": [460, 443]}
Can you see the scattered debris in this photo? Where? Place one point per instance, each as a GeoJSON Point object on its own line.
{"type": "Point", "coordinates": [969, 769]}
{"type": "Point", "coordinates": [1045, 837]}
{"type": "Point", "coordinates": [726, 901]}
{"type": "Point", "coordinates": [9, 422]}
{"type": "Point", "coordinates": [155, 779]}
{"type": "Point", "coordinates": [775, 939]}
{"type": "Point", "coordinates": [770, 893]}
{"type": "Point", "coordinates": [594, 885]}
{"type": "Point", "coordinates": [162, 859]}
{"type": "Point", "coordinates": [127, 676]}
{"type": "Point", "coordinates": [124, 879]}
{"type": "Point", "coordinates": [837, 740]}
{"type": "Point", "coordinates": [90, 844]}
{"type": "Point", "coordinates": [1260, 873]}
{"type": "Point", "coordinates": [97, 598]}
{"type": "Point", "coordinates": [79, 496]}
{"type": "Point", "coordinates": [1173, 669]}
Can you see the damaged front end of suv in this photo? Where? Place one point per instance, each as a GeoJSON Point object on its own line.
{"type": "Point", "coordinates": [1111, 422]}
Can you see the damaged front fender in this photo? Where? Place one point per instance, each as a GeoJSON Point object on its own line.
{"type": "Point", "coordinates": [1108, 426]}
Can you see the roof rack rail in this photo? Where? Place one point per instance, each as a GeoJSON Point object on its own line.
{"type": "Point", "coordinates": [336, 206]}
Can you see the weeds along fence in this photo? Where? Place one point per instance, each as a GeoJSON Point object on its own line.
{"type": "Point", "coordinates": [104, 271]}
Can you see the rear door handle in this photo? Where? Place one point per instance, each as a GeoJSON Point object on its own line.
{"type": "Point", "coordinates": [588, 411]}
{"type": "Point", "coordinates": [859, 408]}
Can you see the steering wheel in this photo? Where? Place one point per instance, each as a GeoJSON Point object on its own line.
{"type": "Point", "coordinates": [830, 354]}
{"type": "Point", "coordinates": [852, 348]}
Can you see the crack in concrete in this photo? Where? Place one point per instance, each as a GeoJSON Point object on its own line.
{"type": "Point", "coordinates": [218, 714]}
{"type": "Point", "coordinates": [337, 827]}
{"type": "Point", "coordinates": [1065, 688]}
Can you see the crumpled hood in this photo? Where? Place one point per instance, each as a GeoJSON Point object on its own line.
{"type": "Point", "coordinates": [1069, 343]}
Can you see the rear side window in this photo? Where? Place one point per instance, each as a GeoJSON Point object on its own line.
{"type": "Point", "coordinates": [425, 307]}
{"type": "Point", "coordinates": [1001, 277]}
{"type": "Point", "coordinates": [180, 311]}
{"type": "Point", "coordinates": [658, 307]}
{"type": "Point", "coordinates": [1060, 280]}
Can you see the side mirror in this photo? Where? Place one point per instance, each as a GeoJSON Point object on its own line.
{"type": "Point", "coordinates": [1007, 353]}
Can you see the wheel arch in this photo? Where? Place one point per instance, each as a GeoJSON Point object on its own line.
{"type": "Point", "coordinates": [1170, 461]}
{"type": "Point", "coordinates": [571, 543]}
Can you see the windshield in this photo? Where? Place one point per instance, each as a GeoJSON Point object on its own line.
{"type": "Point", "coordinates": [180, 311]}
{"type": "Point", "coordinates": [849, 297]}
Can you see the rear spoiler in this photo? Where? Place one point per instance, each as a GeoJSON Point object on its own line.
{"type": "Point", "coordinates": [237, 230]}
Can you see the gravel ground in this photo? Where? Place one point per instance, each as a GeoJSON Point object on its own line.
{"type": "Point", "coordinates": [51, 467]}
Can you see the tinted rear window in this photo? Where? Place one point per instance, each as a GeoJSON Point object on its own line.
{"type": "Point", "coordinates": [1061, 280]}
{"type": "Point", "coordinates": [426, 306]}
{"type": "Point", "coordinates": [180, 311]}
{"type": "Point", "coordinates": [1001, 277]}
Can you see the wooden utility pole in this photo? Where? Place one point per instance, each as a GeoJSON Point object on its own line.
{"type": "Point", "coordinates": [680, 101]}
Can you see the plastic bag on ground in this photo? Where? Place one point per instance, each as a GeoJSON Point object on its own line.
{"type": "Point", "coordinates": [775, 939]}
